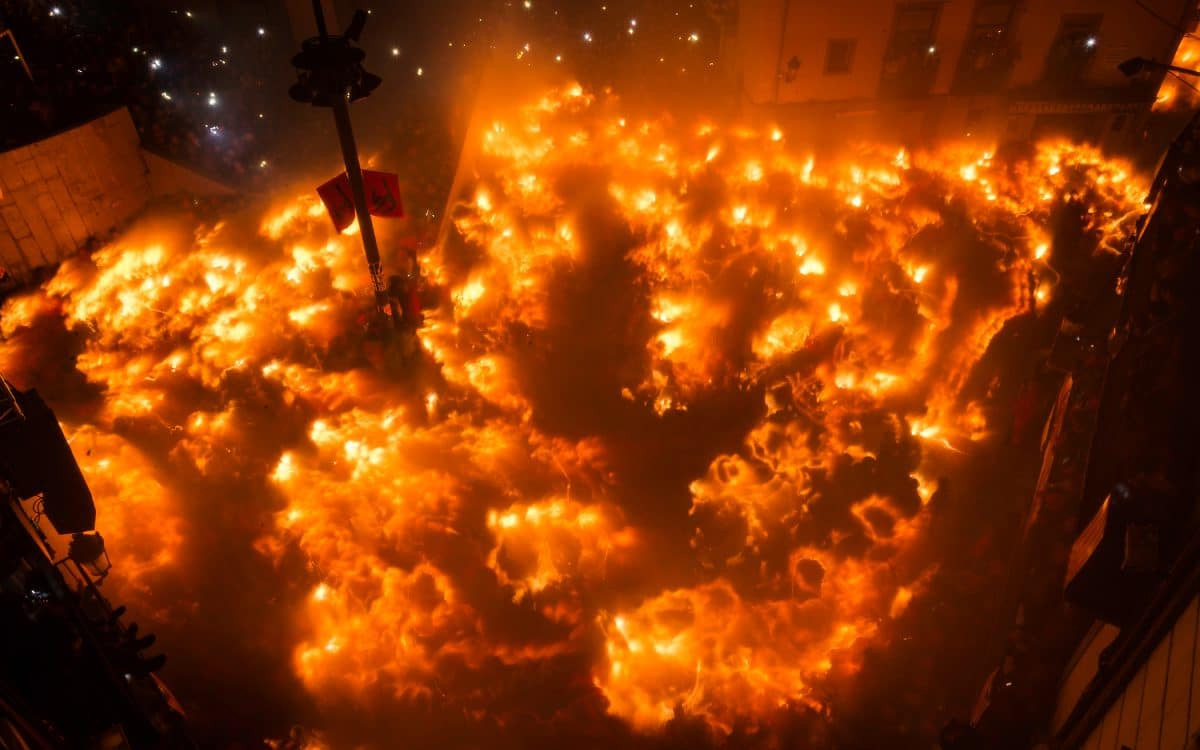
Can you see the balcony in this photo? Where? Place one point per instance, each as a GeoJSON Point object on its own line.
{"type": "Point", "coordinates": [1123, 552]}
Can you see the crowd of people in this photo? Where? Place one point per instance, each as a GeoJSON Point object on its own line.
{"type": "Point", "coordinates": [194, 97]}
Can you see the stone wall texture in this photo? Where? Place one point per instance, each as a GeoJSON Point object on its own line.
{"type": "Point", "coordinates": [60, 192]}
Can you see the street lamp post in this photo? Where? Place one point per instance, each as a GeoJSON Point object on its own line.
{"type": "Point", "coordinates": [1135, 65]}
{"type": "Point", "coordinates": [330, 74]}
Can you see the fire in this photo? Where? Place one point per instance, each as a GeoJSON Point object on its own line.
{"type": "Point", "coordinates": [605, 271]}
{"type": "Point", "coordinates": [1176, 92]}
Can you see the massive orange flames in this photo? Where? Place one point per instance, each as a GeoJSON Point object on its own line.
{"type": "Point", "coordinates": [842, 303]}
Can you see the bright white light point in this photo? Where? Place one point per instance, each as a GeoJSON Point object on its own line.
{"type": "Point", "coordinates": [56, 11]}
{"type": "Point", "coordinates": [187, 13]}
{"type": "Point", "coordinates": [932, 50]}
{"type": "Point", "coordinates": [528, 4]}
{"type": "Point", "coordinates": [262, 31]}
{"type": "Point", "coordinates": [630, 30]}
{"type": "Point", "coordinates": [420, 71]}
{"type": "Point", "coordinates": [395, 51]}
{"type": "Point", "coordinates": [1091, 41]}
{"type": "Point", "coordinates": [155, 63]}
{"type": "Point", "coordinates": [587, 36]}
{"type": "Point", "coordinates": [633, 22]}
{"type": "Point", "coordinates": [262, 164]}
{"type": "Point", "coordinates": [224, 50]}
{"type": "Point", "coordinates": [694, 37]}
{"type": "Point", "coordinates": [166, 96]}
{"type": "Point", "coordinates": [558, 58]}
{"type": "Point", "coordinates": [212, 100]}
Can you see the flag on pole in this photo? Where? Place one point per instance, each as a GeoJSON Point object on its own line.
{"type": "Point", "coordinates": [383, 197]}
{"type": "Point", "coordinates": [383, 193]}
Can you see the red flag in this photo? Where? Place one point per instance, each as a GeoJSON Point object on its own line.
{"type": "Point", "coordinates": [338, 200]}
{"type": "Point", "coordinates": [383, 197]}
{"type": "Point", "coordinates": [383, 193]}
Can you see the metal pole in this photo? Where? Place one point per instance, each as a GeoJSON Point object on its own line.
{"type": "Point", "coordinates": [787, 11]}
{"type": "Point", "coordinates": [1177, 69]}
{"type": "Point", "coordinates": [341, 115]}
{"type": "Point", "coordinates": [320, 16]}
{"type": "Point", "coordinates": [358, 191]}
{"type": "Point", "coordinates": [7, 34]}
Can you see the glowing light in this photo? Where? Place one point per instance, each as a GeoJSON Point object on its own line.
{"type": "Point", "coordinates": [415, 519]}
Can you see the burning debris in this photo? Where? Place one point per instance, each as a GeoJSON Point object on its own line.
{"type": "Point", "coordinates": [693, 386]}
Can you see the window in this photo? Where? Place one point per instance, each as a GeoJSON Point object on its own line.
{"type": "Point", "coordinates": [992, 16]}
{"type": "Point", "coordinates": [914, 26]}
{"type": "Point", "coordinates": [911, 61]}
{"type": "Point", "coordinates": [988, 54]}
{"type": "Point", "coordinates": [839, 56]}
{"type": "Point", "coordinates": [1073, 49]}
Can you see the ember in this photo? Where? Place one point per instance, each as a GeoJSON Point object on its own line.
{"type": "Point", "coordinates": [694, 380]}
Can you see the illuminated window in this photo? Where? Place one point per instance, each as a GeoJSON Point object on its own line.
{"type": "Point", "coordinates": [911, 61]}
{"type": "Point", "coordinates": [1073, 49]}
{"type": "Point", "coordinates": [989, 52]}
{"type": "Point", "coordinates": [839, 56]}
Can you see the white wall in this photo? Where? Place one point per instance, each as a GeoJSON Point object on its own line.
{"type": "Point", "coordinates": [1160, 707]}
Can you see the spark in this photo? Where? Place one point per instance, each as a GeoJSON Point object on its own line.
{"type": "Point", "coordinates": [374, 487]}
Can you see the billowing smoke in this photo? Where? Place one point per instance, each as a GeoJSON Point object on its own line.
{"type": "Point", "coordinates": [666, 478]}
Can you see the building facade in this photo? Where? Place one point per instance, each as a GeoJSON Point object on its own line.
{"type": "Point", "coordinates": [1104, 650]}
{"type": "Point", "coordinates": [957, 67]}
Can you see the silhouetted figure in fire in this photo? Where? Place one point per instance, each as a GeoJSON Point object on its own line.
{"type": "Point", "coordinates": [405, 290]}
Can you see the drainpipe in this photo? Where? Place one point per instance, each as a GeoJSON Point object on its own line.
{"type": "Point", "coordinates": [787, 11]}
